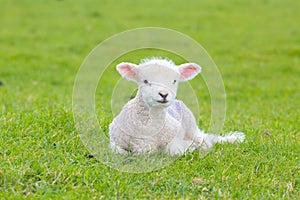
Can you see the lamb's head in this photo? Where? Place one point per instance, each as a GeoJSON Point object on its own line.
{"type": "Point", "coordinates": [158, 79]}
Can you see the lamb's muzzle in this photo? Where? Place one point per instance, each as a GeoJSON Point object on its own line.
{"type": "Point", "coordinates": [163, 95]}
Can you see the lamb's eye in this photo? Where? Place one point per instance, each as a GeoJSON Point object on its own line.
{"type": "Point", "coordinates": [146, 82]}
{"type": "Point", "coordinates": [174, 81]}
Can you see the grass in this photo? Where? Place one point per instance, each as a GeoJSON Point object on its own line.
{"type": "Point", "coordinates": [256, 46]}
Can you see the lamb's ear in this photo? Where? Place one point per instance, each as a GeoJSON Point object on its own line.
{"type": "Point", "coordinates": [128, 70]}
{"type": "Point", "coordinates": [188, 71]}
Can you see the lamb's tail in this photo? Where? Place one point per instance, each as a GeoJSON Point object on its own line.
{"type": "Point", "coordinates": [206, 141]}
{"type": "Point", "coordinates": [231, 137]}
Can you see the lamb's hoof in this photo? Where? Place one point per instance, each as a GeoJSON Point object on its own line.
{"type": "Point", "coordinates": [236, 137]}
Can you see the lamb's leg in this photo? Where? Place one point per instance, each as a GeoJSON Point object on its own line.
{"type": "Point", "coordinates": [117, 149]}
{"type": "Point", "coordinates": [191, 130]}
{"type": "Point", "coordinates": [178, 146]}
{"type": "Point", "coordinates": [199, 138]}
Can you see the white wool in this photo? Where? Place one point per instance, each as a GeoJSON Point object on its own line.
{"type": "Point", "coordinates": [154, 120]}
{"type": "Point", "coordinates": [157, 61]}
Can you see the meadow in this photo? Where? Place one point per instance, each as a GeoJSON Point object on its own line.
{"type": "Point", "coordinates": [256, 46]}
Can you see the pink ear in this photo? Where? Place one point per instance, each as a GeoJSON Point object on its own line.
{"type": "Point", "coordinates": [127, 70]}
{"type": "Point", "coordinates": [188, 71]}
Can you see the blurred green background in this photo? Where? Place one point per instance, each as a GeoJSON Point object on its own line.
{"type": "Point", "coordinates": [256, 46]}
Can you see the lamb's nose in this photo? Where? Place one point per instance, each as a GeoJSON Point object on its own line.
{"type": "Point", "coordinates": [163, 94]}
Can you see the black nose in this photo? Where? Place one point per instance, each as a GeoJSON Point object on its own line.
{"type": "Point", "coordinates": [164, 96]}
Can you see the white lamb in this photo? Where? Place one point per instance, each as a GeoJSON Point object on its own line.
{"type": "Point", "coordinates": [154, 120]}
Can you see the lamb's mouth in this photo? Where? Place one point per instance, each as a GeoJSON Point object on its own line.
{"type": "Point", "coordinates": [163, 101]}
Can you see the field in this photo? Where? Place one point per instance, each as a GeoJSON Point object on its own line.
{"type": "Point", "coordinates": [256, 46]}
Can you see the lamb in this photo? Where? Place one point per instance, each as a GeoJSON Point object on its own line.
{"type": "Point", "coordinates": [155, 120]}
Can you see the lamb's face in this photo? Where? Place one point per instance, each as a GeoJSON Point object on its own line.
{"type": "Point", "coordinates": [158, 84]}
{"type": "Point", "coordinates": [158, 79]}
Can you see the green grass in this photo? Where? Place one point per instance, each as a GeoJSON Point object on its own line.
{"type": "Point", "coordinates": [256, 46]}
